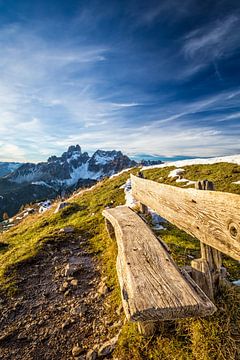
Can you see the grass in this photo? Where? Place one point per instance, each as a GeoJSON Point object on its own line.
{"type": "Point", "coordinates": [212, 338]}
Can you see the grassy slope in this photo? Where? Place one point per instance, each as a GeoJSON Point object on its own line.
{"type": "Point", "coordinates": [202, 339]}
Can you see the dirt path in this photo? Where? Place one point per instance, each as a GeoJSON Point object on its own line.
{"type": "Point", "coordinates": [58, 306]}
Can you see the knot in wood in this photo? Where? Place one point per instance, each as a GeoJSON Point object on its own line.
{"type": "Point", "coordinates": [233, 229]}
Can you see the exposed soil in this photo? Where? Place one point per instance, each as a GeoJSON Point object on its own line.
{"type": "Point", "coordinates": [58, 306]}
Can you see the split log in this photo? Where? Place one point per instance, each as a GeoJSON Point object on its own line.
{"type": "Point", "coordinates": [152, 287]}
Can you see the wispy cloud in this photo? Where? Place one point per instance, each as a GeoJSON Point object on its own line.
{"type": "Point", "coordinates": [213, 41]}
{"type": "Point", "coordinates": [119, 77]}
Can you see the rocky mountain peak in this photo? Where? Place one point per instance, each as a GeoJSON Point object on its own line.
{"type": "Point", "coordinates": [72, 166]}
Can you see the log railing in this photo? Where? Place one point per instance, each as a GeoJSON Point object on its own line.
{"type": "Point", "coordinates": [212, 217]}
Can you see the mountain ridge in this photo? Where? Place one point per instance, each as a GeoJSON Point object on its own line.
{"type": "Point", "coordinates": [57, 176]}
{"type": "Point", "coordinates": [73, 165]}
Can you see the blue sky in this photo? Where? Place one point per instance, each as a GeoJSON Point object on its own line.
{"type": "Point", "coordinates": [156, 77]}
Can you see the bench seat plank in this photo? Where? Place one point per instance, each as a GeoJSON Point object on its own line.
{"type": "Point", "coordinates": [152, 286]}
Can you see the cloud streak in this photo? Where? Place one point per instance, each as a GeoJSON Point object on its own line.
{"type": "Point", "coordinates": [125, 77]}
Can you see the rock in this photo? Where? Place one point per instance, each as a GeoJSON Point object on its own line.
{"type": "Point", "coordinates": [67, 230]}
{"type": "Point", "coordinates": [108, 347]}
{"type": "Point", "coordinates": [67, 292]}
{"type": "Point", "coordinates": [74, 282]}
{"type": "Point", "coordinates": [65, 285]}
{"type": "Point", "coordinates": [61, 206]}
{"type": "Point", "coordinates": [103, 289]}
{"type": "Point", "coordinates": [76, 350]}
{"type": "Point", "coordinates": [66, 324]}
{"type": "Point", "coordinates": [91, 355]}
{"type": "Point", "coordinates": [74, 265]}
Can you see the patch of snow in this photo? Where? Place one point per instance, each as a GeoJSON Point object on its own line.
{"type": "Point", "coordinates": [44, 206]}
{"type": "Point", "coordinates": [188, 182]}
{"type": "Point", "coordinates": [42, 209]}
{"type": "Point", "coordinates": [103, 159]}
{"type": "Point", "coordinates": [130, 201]}
{"type": "Point", "coordinates": [237, 182]}
{"type": "Point", "coordinates": [236, 282]}
{"type": "Point", "coordinates": [75, 156]}
{"type": "Point", "coordinates": [120, 172]}
{"type": "Point", "coordinates": [156, 220]}
{"type": "Point", "coordinates": [234, 159]}
{"type": "Point", "coordinates": [82, 172]}
{"type": "Point", "coordinates": [176, 172]}
{"type": "Point", "coordinates": [41, 183]}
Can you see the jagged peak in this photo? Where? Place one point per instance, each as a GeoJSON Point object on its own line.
{"type": "Point", "coordinates": [74, 148]}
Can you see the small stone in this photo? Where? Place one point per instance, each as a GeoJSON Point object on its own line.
{"type": "Point", "coordinates": [74, 265]}
{"type": "Point", "coordinates": [103, 289]}
{"type": "Point", "coordinates": [67, 292]}
{"type": "Point", "coordinates": [108, 347]}
{"type": "Point", "coordinates": [76, 350]}
{"type": "Point", "coordinates": [66, 324]}
{"type": "Point", "coordinates": [65, 285]}
{"type": "Point", "coordinates": [91, 355]}
{"type": "Point", "coordinates": [74, 282]}
{"type": "Point", "coordinates": [67, 230]}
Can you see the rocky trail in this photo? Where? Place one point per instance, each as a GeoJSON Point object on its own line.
{"type": "Point", "coordinates": [60, 310]}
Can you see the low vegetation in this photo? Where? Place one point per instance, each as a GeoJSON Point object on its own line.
{"type": "Point", "coordinates": [212, 338]}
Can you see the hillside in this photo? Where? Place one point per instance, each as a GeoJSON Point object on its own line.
{"type": "Point", "coordinates": [59, 290]}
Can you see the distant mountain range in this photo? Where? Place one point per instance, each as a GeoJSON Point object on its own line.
{"type": "Point", "coordinates": [72, 166]}
{"type": "Point", "coordinates": [29, 182]}
{"type": "Point", "coordinates": [8, 167]}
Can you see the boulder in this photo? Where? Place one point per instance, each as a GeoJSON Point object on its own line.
{"type": "Point", "coordinates": [61, 206]}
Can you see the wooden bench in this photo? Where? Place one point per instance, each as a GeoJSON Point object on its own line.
{"type": "Point", "coordinates": [152, 286]}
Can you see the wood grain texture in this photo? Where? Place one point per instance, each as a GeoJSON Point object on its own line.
{"type": "Point", "coordinates": [211, 216]}
{"type": "Point", "coordinates": [206, 271]}
{"type": "Point", "coordinates": [152, 287]}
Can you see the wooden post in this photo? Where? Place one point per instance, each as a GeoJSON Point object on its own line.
{"type": "Point", "coordinates": [143, 208]}
{"type": "Point", "coordinates": [206, 272]}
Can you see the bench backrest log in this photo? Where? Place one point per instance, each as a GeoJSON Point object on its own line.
{"type": "Point", "coordinates": [212, 217]}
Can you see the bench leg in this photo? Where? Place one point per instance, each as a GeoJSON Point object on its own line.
{"type": "Point", "coordinates": [110, 229]}
{"type": "Point", "coordinates": [143, 209]}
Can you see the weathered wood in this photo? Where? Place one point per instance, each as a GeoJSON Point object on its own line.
{"type": "Point", "coordinates": [152, 287]}
{"type": "Point", "coordinates": [110, 229]}
{"type": "Point", "coordinates": [207, 270]}
{"type": "Point", "coordinates": [143, 208]}
{"type": "Point", "coordinates": [202, 276]}
{"type": "Point", "coordinates": [211, 216]}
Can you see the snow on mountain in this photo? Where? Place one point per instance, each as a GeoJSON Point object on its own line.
{"type": "Point", "coordinates": [235, 159]}
{"type": "Point", "coordinates": [72, 166]}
